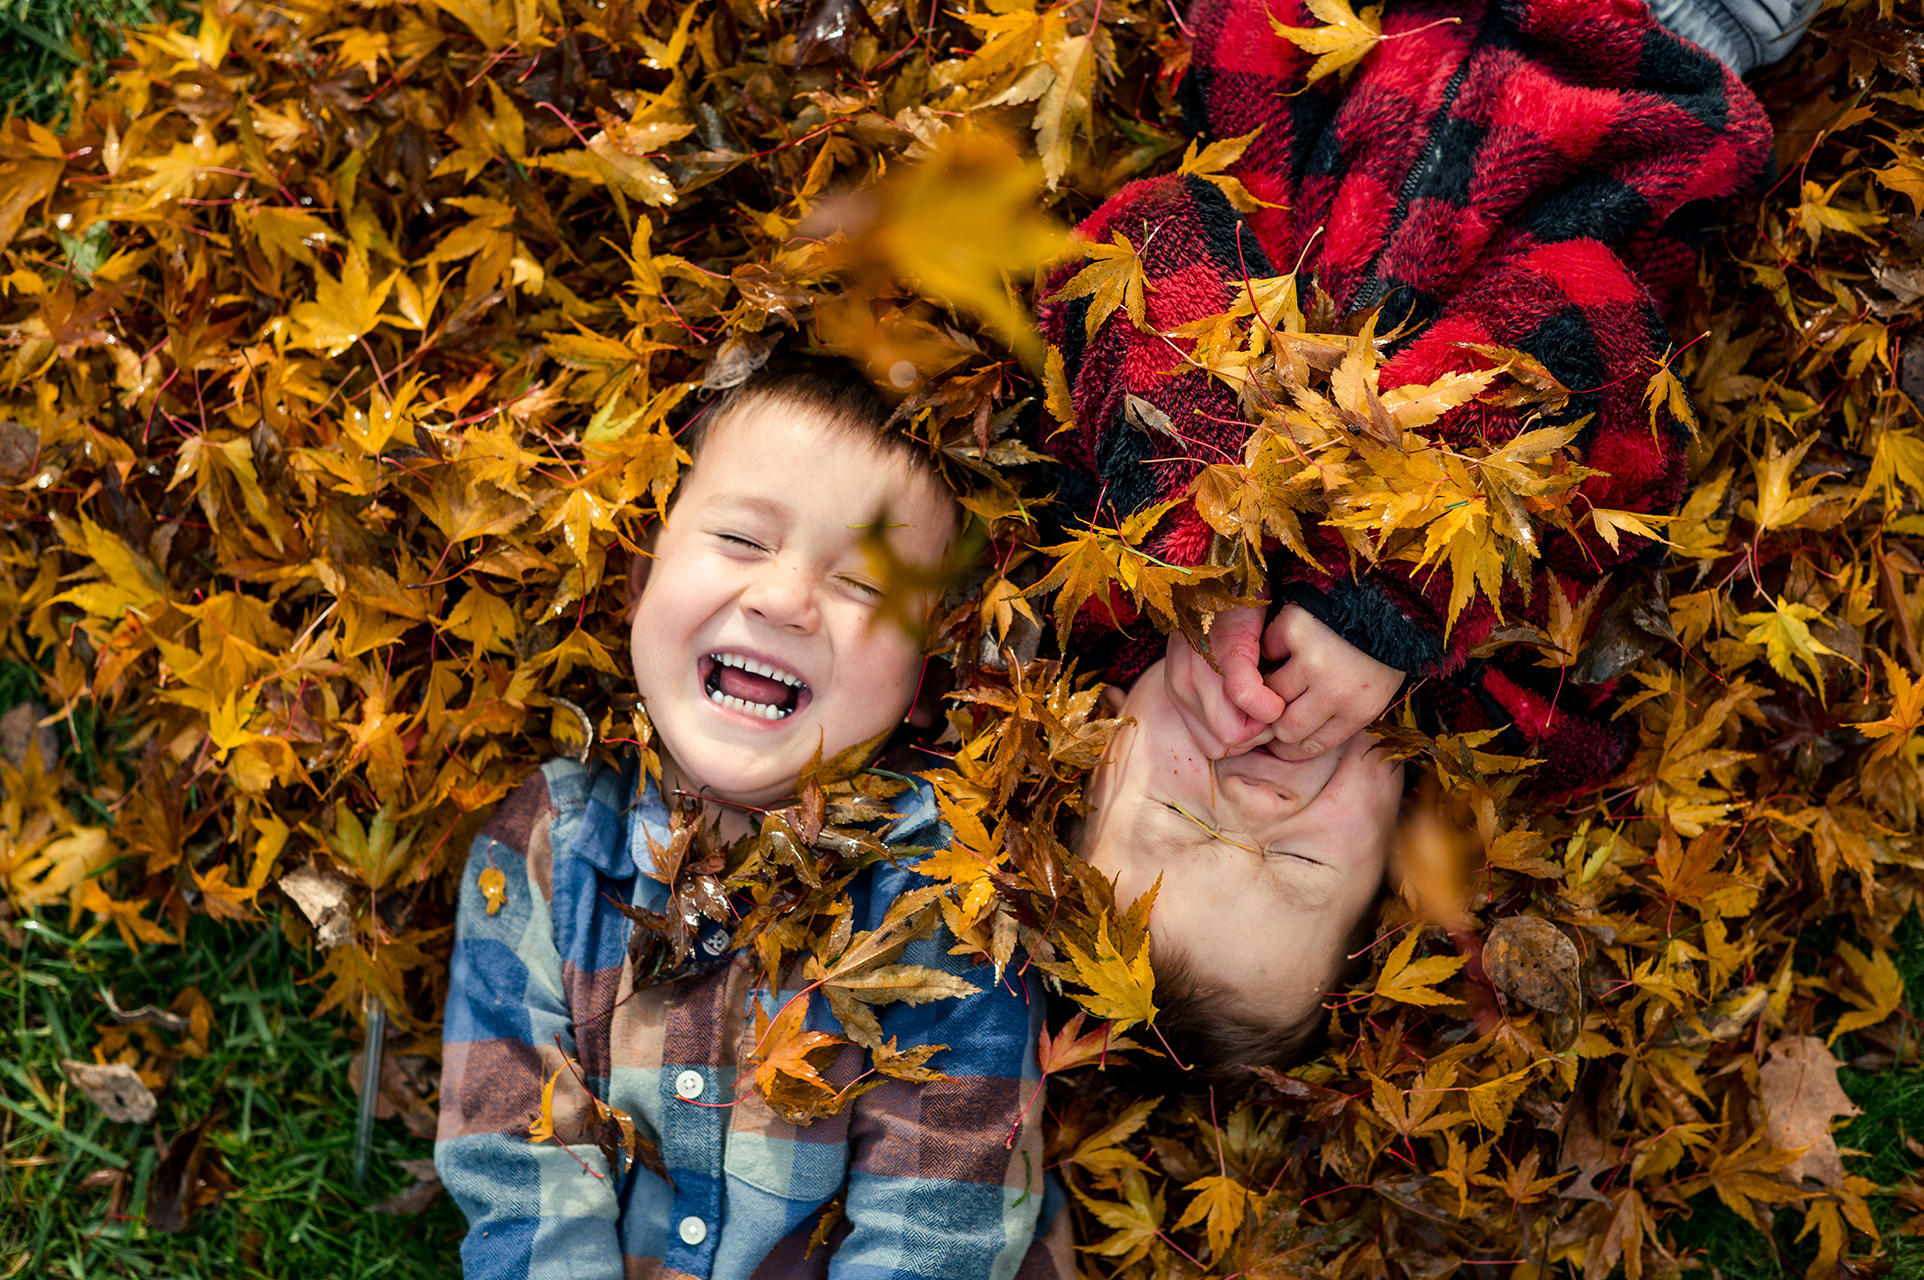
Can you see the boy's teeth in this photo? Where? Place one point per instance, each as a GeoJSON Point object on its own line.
{"type": "Point", "coordinates": [761, 709]}
{"type": "Point", "coordinates": [757, 668]}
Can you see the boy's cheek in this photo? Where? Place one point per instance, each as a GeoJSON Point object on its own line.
{"type": "Point", "coordinates": [1097, 789]}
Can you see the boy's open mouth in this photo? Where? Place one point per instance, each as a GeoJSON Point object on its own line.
{"type": "Point", "coordinates": [752, 687]}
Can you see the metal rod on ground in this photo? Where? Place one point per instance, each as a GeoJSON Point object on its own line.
{"type": "Point", "coordinates": [370, 1086]}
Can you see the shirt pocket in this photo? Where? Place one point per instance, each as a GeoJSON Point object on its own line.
{"type": "Point", "coordinates": [805, 1164]}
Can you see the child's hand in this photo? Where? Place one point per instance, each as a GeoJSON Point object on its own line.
{"type": "Point", "coordinates": [1231, 712]}
{"type": "Point", "coordinates": [1332, 688]}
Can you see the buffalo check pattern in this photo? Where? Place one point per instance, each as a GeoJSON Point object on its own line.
{"type": "Point", "coordinates": [1536, 174]}
{"type": "Point", "coordinates": [942, 1181]}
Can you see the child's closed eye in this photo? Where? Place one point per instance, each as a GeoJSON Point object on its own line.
{"type": "Point", "coordinates": [1290, 853]}
{"type": "Point", "coordinates": [737, 540]}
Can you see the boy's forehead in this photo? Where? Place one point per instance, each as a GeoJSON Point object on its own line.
{"type": "Point", "coordinates": [802, 420]}
{"type": "Point", "coordinates": [773, 418]}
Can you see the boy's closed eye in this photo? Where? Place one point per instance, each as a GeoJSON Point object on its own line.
{"type": "Point", "coordinates": [746, 544]}
{"type": "Point", "coordinates": [1291, 853]}
{"type": "Point", "coordinates": [1206, 832]}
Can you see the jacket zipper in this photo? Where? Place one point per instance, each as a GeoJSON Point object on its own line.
{"type": "Point", "coordinates": [1369, 293]}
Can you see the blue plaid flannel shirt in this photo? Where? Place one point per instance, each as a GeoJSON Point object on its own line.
{"type": "Point", "coordinates": [931, 1185]}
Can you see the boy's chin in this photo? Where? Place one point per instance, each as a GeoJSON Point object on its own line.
{"type": "Point", "coordinates": [742, 789]}
{"type": "Point", "coordinates": [745, 776]}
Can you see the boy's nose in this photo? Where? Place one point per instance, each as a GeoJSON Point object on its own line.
{"type": "Point", "coordinates": [783, 596]}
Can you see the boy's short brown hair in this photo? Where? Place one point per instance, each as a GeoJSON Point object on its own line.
{"type": "Point", "coordinates": [836, 389]}
{"type": "Point", "coordinates": [1215, 1041]}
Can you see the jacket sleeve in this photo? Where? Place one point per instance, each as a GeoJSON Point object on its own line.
{"type": "Point", "coordinates": [534, 1209]}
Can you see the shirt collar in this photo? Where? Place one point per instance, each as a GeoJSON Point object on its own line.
{"type": "Point", "coordinates": [647, 818]}
{"type": "Point", "coordinates": [916, 822]}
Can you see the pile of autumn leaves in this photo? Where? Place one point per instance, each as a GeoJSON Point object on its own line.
{"type": "Point", "coordinates": [342, 346]}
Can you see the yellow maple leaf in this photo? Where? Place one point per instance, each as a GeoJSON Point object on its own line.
{"type": "Point", "coordinates": [1220, 1203]}
{"type": "Point", "coordinates": [1785, 634]}
{"type": "Point", "coordinates": [578, 514]}
{"type": "Point", "coordinates": [1881, 990]}
{"type": "Point", "coordinates": [1210, 162]}
{"type": "Point", "coordinates": [1084, 566]}
{"type": "Point", "coordinates": [1135, 1221]}
{"type": "Point", "coordinates": [961, 224]}
{"type": "Point", "coordinates": [494, 887]}
{"type": "Point", "coordinates": [343, 309]}
{"type": "Point", "coordinates": [1114, 278]}
{"type": "Point", "coordinates": [1064, 109]}
{"type": "Point", "coordinates": [1777, 504]}
{"type": "Point", "coordinates": [1816, 214]}
{"type": "Point", "coordinates": [1341, 42]}
{"type": "Point", "coordinates": [1121, 988]}
{"type": "Point", "coordinates": [1414, 981]}
{"type": "Point", "coordinates": [783, 1049]}
{"type": "Point", "coordinates": [1610, 524]}
{"type": "Point", "coordinates": [541, 1128]}
{"type": "Point", "coordinates": [1665, 392]}
{"type": "Point", "coordinates": [1414, 407]}
{"type": "Point", "coordinates": [1898, 730]}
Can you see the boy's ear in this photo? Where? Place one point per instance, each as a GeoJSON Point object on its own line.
{"type": "Point", "coordinates": [1112, 698]}
{"type": "Point", "coordinates": [637, 578]}
{"type": "Point", "coordinates": [925, 711]}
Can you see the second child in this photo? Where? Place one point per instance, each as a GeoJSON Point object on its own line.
{"type": "Point", "coordinates": [1531, 174]}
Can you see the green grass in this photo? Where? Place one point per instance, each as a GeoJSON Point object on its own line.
{"type": "Point", "coordinates": [37, 52]}
{"type": "Point", "coordinates": [285, 1140]}
{"type": "Point", "coordinates": [1892, 1102]}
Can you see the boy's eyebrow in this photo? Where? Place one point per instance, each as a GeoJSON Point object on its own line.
{"type": "Point", "coordinates": [753, 503]}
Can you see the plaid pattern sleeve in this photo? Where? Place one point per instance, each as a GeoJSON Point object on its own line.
{"type": "Point", "coordinates": [508, 1028]}
{"type": "Point", "coordinates": [1533, 173]}
{"type": "Point", "coordinates": [941, 1181]}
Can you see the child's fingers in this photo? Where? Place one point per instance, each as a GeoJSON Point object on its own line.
{"type": "Point", "coordinates": [1246, 689]}
{"type": "Point", "coordinates": [1211, 722]}
{"type": "Point", "coordinates": [1283, 635]}
{"type": "Point", "coordinates": [1236, 639]}
{"type": "Point", "coordinates": [1339, 728]}
{"type": "Point", "coordinates": [1204, 697]}
{"type": "Point", "coordinates": [1233, 731]}
{"type": "Point", "coordinates": [1303, 726]}
{"type": "Point", "coordinates": [1288, 682]}
{"type": "Point", "coordinates": [1221, 731]}
{"type": "Point", "coordinates": [1254, 740]}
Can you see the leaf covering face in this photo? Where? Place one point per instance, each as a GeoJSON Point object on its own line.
{"type": "Point", "coordinates": [1266, 864]}
{"type": "Point", "coordinates": [755, 639]}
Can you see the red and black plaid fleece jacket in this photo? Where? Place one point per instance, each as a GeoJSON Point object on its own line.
{"type": "Point", "coordinates": [1537, 174]}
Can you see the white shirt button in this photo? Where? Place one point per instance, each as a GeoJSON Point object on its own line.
{"type": "Point", "coordinates": [693, 1230]}
{"type": "Point", "coordinates": [688, 1085]}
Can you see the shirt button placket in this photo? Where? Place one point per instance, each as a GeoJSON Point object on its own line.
{"type": "Point", "coordinates": [692, 1138]}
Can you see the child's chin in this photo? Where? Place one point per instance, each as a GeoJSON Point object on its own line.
{"type": "Point", "coordinates": [746, 789]}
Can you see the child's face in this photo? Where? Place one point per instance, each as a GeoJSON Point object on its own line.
{"type": "Point", "coordinates": [755, 641]}
{"type": "Point", "coordinates": [1266, 864]}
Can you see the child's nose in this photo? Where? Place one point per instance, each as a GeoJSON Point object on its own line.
{"type": "Point", "coordinates": [782, 595]}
